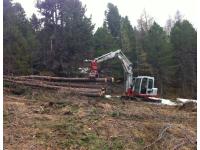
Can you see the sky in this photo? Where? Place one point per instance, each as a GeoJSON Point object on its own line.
{"type": "Point", "coordinates": [160, 10]}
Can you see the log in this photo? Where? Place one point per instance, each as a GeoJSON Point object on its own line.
{"type": "Point", "coordinates": [91, 94]}
{"type": "Point", "coordinates": [65, 84]}
{"type": "Point", "coordinates": [41, 85]}
{"type": "Point", "coordinates": [73, 84]}
{"type": "Point", "coordinates": [88, 89]}
{"type": "Point", "coordinates": [76, 85]}
{"type": "Point", "coordinates": [30, 84]}
{"type": "Point", "coordinates": [49, 78]}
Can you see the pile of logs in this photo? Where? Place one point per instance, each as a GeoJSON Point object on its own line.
{"type": "Point", "coordinates": [83, 86]}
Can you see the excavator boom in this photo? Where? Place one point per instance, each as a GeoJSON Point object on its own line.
{"type": "Point", "coordinates": [127, 66]}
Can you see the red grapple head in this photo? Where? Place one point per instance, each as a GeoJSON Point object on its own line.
{"type": "Point", "coordinates": [93, 69]}
{"type": "Point", "coordinates": [93, 65]}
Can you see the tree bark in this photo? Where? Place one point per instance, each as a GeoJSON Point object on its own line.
{"type": "Point", "coordinates": [84, 91]}
{"type": "Point", "coordinates": [49, 78]}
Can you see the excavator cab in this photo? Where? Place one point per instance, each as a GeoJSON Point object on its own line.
{"type": "Point", "coordinates": [143, 86]}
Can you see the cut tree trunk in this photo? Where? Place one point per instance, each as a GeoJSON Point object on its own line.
{"type": "Point", "coordinates": [83, 91]}
{"type": "Point", "coordinates": [65, 84]}
{"type": "Point", "coordinates": [49, 78]}
{"type": "Point", "coordinates": [83, 86]}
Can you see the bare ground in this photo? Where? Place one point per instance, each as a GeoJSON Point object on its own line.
{"type": "Point", "coordinates": [54, 120]}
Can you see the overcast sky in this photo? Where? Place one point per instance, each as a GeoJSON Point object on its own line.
{"type": "Point", "coordinates": [160, 10]}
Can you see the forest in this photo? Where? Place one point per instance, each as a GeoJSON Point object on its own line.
{"type": "Point", "coordinates": [57, 42]}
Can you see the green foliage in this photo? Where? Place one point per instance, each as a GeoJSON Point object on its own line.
{"type": "Point", "coordinates": [67, 32]}
{"type": "Point", "coordinates": [35, 22]}
{"type": "Point", "coordinates": [140, 141]}
{"type": "Point", "coordinates": [160, 56]}
{"type": "Point", "coordinates": [115, 114]}
{"type": "Point", "coordinates": [117, 144]}
{"type": "Point", "coordinates": [184, 42]}
{"type": "Point", "coordinates": [103, 41]}
{"type": "Point", "coordinates": [143, 67]}
{"type": "Point", "coordinates": [113, 20]}
{"type": "Point", "coordinates": [127, 36]}
{"type": "Point", "coordinates": [17, 39]}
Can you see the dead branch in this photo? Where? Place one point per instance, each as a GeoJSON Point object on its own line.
{"type": "Point", "coordinates": [190, 139]}
{"type": "Point", "coordinates": [179, 145]}
{"type": "Point", "coordinates": [161, 135]}
{"type": "Point", "coordinates": [184, 141]}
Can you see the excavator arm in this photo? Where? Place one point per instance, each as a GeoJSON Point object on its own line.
{"type": "Point", "coordinates": [127, 66]}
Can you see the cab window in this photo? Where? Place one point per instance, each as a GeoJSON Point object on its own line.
{"type": "Point", "coordinates": [144, 86]}
{"type": "Point", "coordinates": [137, 85]}
{"type": "Point", "coordinates": [150, 86]}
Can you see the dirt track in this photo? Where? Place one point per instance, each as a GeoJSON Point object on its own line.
{"type": "Point", "coordinates": [50, 120]}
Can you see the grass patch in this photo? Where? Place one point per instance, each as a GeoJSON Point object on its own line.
{"type": "Point", "coordinates": [5, 116]}
{"type": "Point", "coordinates": [8, 117]}
{"type": "Point", "coordinates": [72, 134]}
{"type": "Point", "coordinates": [93, 142]}
{"type": "Point", "coordinates": [69, 127]}
{"type": "Point", "coordinates": [117, 144]}
{"type": "Point", "coordinates": [74, 108]}
{"type": "Point", "coordinates": [121, 115]}
{"type": "Point", "coordinates": [96, 111]}
{"type": "Point", "coordinates": [44, 136]}
{"type": "Point", "coordinates": [115, 114]}
{"type": "Point", "coordinates": [140, 141]}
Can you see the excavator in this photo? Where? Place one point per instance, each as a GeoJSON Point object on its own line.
{"type": "Point", "coordinates": [140, 86]}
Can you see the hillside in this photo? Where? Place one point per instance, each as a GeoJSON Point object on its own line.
{"type": "Point", "coordinates": [38, 119]}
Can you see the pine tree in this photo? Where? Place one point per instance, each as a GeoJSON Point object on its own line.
{"type": "Point", "coordinates": [18, 39]}
{"type": "Point", "coordinates": [113, 20]}
{"type": "Point", "coordinates": [36, 25]}
{"type": "Point", "coordinates": [184, 41]}
{"type": "Point", "coordinates": [142, 66]}
{"type": "Point", "coordinates": [103, 41]}
{"type": "Point", "coordinates": [160, 56]}
{"type": "Point", "coordinates": [67, 32]}
{"type": "Point", "coordinates": [127, 35]}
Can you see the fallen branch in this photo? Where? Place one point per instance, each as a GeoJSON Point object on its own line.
{"type": "Point", "coordinates": [159, 137]}
{"type": "Point", "coordinates": [190, 139]}
{"type": "Point", "coordinates": [185, 140]}
{"type": "Point", "coordinates": [179, 145]}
